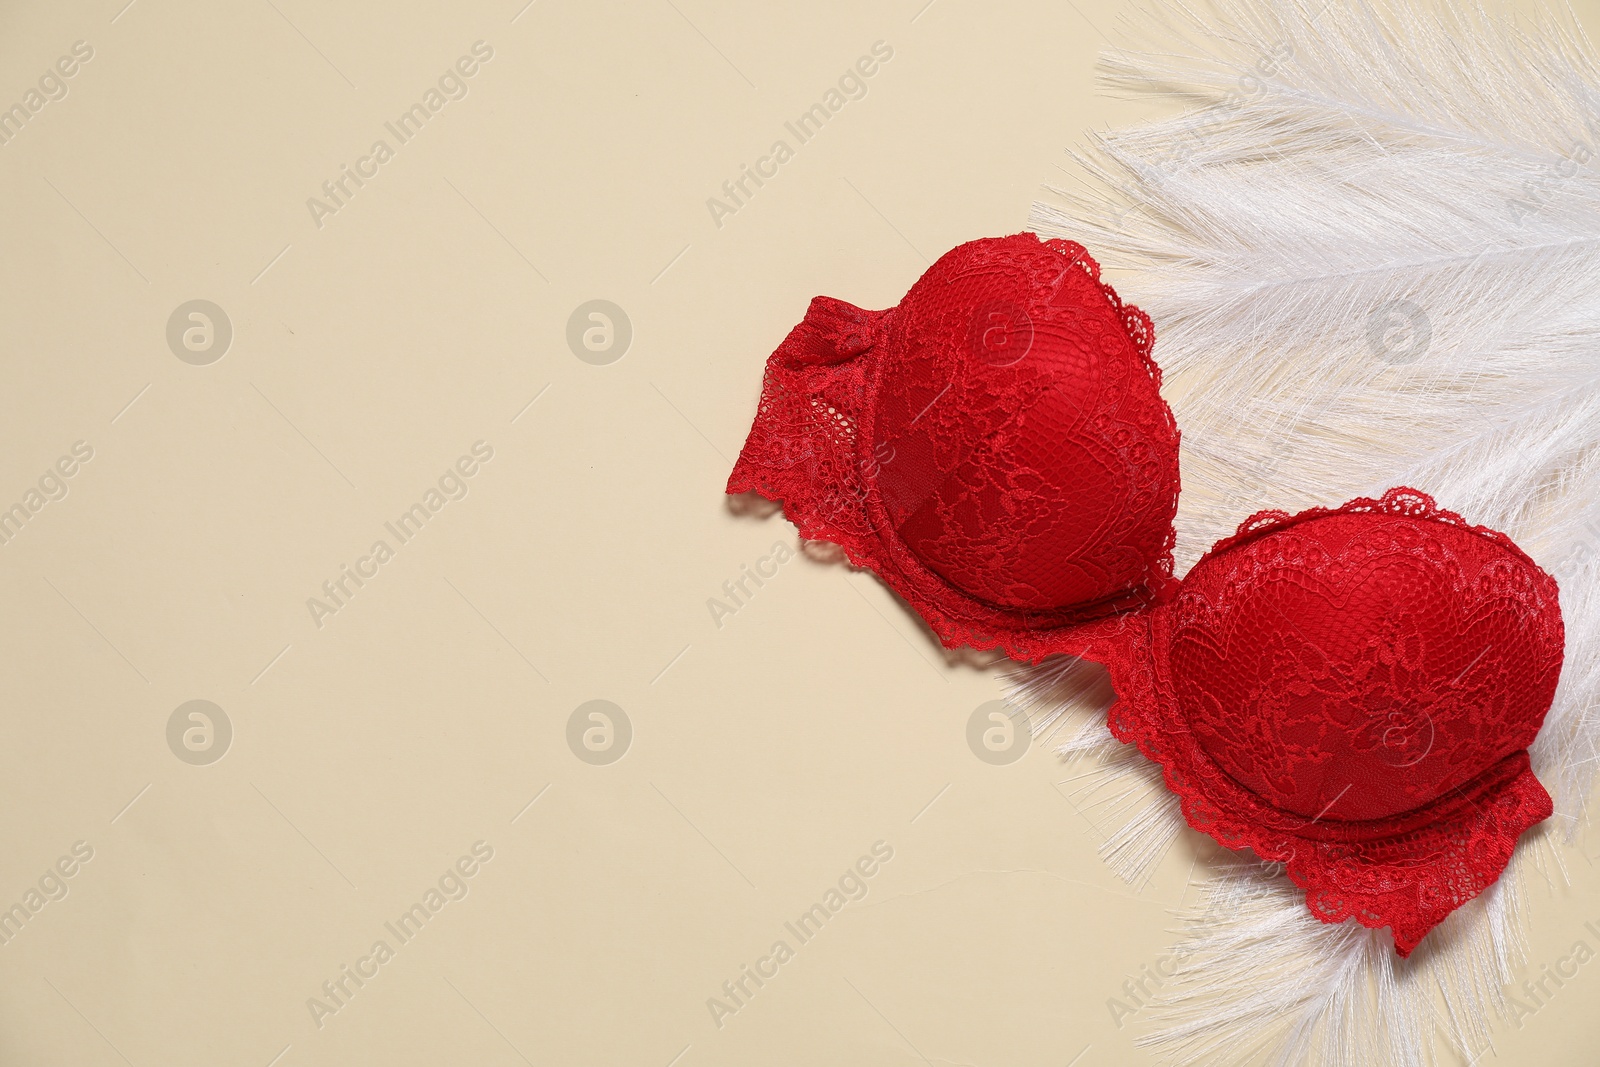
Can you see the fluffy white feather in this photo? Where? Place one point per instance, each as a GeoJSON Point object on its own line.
{"type": "Point", "coordinates": [1371, 247]}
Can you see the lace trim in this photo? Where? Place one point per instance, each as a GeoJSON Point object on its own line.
{"type": "Point", "coordinates": [1400, 500]}
{"type": "Point", "coordinates": [1408, 871]}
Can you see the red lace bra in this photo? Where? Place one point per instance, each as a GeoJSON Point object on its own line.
{"type": "Point", "coordinates": [1349, 691]}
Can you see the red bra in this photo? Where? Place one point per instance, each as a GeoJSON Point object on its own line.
{"type": "Point", "coordinates": [1348, 691]}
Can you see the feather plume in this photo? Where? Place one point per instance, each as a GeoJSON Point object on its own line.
{"type": "Point", "coordinates": [1371, 245]}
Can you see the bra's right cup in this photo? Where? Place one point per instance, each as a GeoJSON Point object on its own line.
{"type": "Point", "coordinates": [1353, 692]}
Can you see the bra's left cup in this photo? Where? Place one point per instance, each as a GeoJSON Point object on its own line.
{"type": "Point", "coordinates": [995, 447]}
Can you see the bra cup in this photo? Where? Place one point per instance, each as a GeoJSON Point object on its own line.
{"type": "Point", "coordinates": [994, 447]}
{"type": "Point", "coordinates": [1007, 540]}
{"type": "Point", "coordinates": [1029, 459]}
{"type": "Point", "coordinates": [1358, 666]}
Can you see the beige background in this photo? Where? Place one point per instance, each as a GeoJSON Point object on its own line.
{"type": "Point", "coordinates": [371, 752]}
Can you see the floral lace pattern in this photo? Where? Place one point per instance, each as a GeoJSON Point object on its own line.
{"type": "Point", "coordinates": [1351, 692]}
{"type": "Point", "coordinates": [995, 447]}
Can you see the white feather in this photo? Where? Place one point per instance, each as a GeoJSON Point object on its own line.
{"type": "Point", "coordinates": [1371, 248]}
